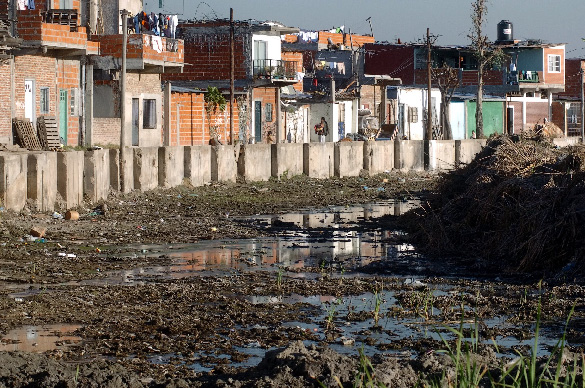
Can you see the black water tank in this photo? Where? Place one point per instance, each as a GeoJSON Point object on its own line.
{"type": "Point", "coordinates": [505, 31]}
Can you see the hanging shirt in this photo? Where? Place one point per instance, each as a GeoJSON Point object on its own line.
{"type": "Point", "coordinates": [22, 4]}
{"type": "Point", "coordinates": [31, 4]}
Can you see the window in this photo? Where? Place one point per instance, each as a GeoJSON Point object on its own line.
{"type": "Point", "coordinates": [413, 114]}
{"type": "Point", "coordinates": [74, 102]}
{"type": "Point", "coordinates": [554, 63]}
{"type": "Point", "coordinates": [45, 100]}
{"type": "Point", "coordinates": [149, 113]}
{"type": "Point", "coordinates": [268, 114]}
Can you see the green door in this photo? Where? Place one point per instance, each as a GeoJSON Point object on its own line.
{"type": "Point", "coordinates": [258, 121]}
{"type": "Point", "coordinates": [63, 116]}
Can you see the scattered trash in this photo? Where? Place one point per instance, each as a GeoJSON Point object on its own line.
{"type": "Point", "coordinates": [57, 216]}
{"type": "Point", "coordinates": [345, 341]}
{"type": "Point", "coordinates": [401, 180]}
{"type": "Point", "coordinates": [71, 255]}
{"type": "Point", "coordinates": [61, 254]}
{"type": "Point", "coordinates": [19, 300]}
{"type": "Point", "coordinates": [214, 229]}
{"type": "Point", "coordinates": [72, 215]}
{"type": "Point", "coordinates": [38, 231]}
{"type": "Point", "coordinates": [414, 283]}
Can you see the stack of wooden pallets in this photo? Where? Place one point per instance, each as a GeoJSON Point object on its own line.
{"type": "Point", "coordinates": [44, 137]}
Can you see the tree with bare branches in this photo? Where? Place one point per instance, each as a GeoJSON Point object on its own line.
{"type": "Point", "coordinates": [447, 80]}
{"type": "Point", "coordinates": [486, 53]}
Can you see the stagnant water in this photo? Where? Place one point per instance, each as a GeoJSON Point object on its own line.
{"type": "Point", "coordinates": [308, 239]}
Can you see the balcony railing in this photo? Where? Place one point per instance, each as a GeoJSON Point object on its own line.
{"type": "Point", "coordinates": [275, 69]}
{"type": "Point", "coordinates": [522, 76]}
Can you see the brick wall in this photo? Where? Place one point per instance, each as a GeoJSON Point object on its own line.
{"type": "Point", "coordinates": [69, 78]}
{"type": "Point", "coordinates": [194, 124]}
{"type": "Point", "coordinates": [573, 78]}
{"type": "Point", "coordinates": [207, 57]}
{"type": "Point", "coordinates": [5, 104]}
{"type": "Point", "coordinates": [345, 39]}
{"type": "Point", "coordinates": [266, 96]}
{"type": "Point", "coordinates": [43, 71]}
{"type": "Point", "coordinates": [297, 57]}
{"type": "Point", "coordinates": [106, 131]}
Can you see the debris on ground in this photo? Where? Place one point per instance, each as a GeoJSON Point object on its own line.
{"type": "Point", "coordinates": [517, 207]}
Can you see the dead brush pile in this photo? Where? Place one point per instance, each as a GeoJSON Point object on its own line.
{"type": "Point", "coordinates": [518, 207]}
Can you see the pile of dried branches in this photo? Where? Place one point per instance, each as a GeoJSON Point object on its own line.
{"type": "Point", "coordinates": [519, 206]}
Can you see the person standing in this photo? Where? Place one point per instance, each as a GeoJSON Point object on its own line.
{"type": "Point", "coordinates": [324, 130]}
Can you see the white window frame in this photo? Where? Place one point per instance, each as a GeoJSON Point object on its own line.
{"type": "Point", "coordinates": [554, 63]}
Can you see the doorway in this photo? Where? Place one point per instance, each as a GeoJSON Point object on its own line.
{"type": "Point", "coordinates": [135, 121]}
{"type": "Point", "coordinates": [258, 121]}
{"type": "Point", "coordinates": [63, 116]}
{"type": "Point", "coordinates": [29, 100]}
{"type": "Point", "coordinates": [510, 120]}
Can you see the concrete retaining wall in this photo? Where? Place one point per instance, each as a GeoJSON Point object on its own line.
{"type": "Point", "coordinates": [145, 168]}
{"type": "Point", "coordinates": [409, 155]}
{"type": "Point", "coordinates": [171, 166]}
{"type": "Point", "coordinates": [349, 158]}
{"type": "Point", "coordinates": [441, 155]}
{"type": "Point", "coordinates": [70, 178]}
{"type": "Point", "coordinates": [13, 185]}
{"type": "Point", "coordinates": [42, 180]}
{"type": "Point", "coordinates": [254, 163]}
{"type": "Point", "coordinates": [465, 150]}
{"type": "Point", "coordinates": [223, 163]}
{"type": "Point", "coordinates": [287, 159]}
{"type": "Point", "coordinates": [96, 180]}
{"type": "Point", "coordinates": [378, 156]}
{"type": "Point", "coordinates": [318, 160]}
{"type": "Point", "coordinates": [48, 178]}
{"type": "Point", "coordinates": [566, 141]}
{"type": "Point", "coordinates": [197, 161]}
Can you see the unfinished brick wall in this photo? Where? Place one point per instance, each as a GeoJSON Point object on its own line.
{"type": "Point", "coordinates": [43, 71]}
{"type": "Point", "coordinates": [194, 122]}
{"type": "Point", "coordinates": [573, 78]}
{"type": "Point", "coordinates": [106, 131]}
{"type": "Point", "coordinates": [5, 104]}
{"type": "Point", "coordinates": [207, 57]}
{"type": "Point", "coordinates": [297, 57]}
{"type": "Point", "coordinates": [266, 96]}
{"type": "Point", "coordinates": [345, 39]}
{"type": "Point", "coordinates": [69, 78]}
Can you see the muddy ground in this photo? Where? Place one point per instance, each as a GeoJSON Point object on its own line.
{"type": "Point", "coordinates": [206, 320]}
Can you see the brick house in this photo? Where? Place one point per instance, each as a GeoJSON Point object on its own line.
{"type": "Point", "coordinates": [67, 67]}
{"type": "Point", "coordinates": [329, 60]}
{"type": "Point", "coordinates": [529, 76]}
{"type": "Point", "coordinates": [259, 73]}
{"type": "Point", "coordinates": [47, 68]}
{"type": "Point", "coordinates": [567, 108]}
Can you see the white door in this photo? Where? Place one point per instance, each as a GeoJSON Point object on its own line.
{"type": "Point", "coordinates": [29, 100]}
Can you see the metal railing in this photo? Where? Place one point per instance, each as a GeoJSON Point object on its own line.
{"type": "Point", "coordinates": [275, 69]}
{"type": "Point", "coordinates": [522, 76]}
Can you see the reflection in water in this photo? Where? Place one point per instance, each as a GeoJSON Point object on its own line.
{"type": "Point", "coordinates": [39, 338]}
{"type": "Point", "coordinates": [312, 239]}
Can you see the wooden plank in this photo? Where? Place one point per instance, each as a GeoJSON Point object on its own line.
{"type": "Point", "coordinates": [27, 135]}
{"type": "Point", "coordinates": [48, 131]}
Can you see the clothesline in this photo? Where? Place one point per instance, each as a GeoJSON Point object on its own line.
{"type": "Point", "coordinates": [159, 25]}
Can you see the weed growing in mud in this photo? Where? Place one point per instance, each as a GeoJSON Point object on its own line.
{"type": "Point", "coordinates": [279, 277]}
{"type": "Point", "coordinates": [331, 313]}
{"type": "Point", "coordinates": [377, 304]}
{"type": "Point", "coordinates": [531, 371]}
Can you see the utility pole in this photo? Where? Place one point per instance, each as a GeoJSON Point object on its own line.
{"type": "Point", "coordinates": [232, 66]}
{"type": "Point", "coordinates": [123, 127]}
{"type": "Point", "coordinates": [429, 132]}
{"type": "Point", "coordinates": [123, 141]}
{"type": "Point", "coordinates": [582, 108]}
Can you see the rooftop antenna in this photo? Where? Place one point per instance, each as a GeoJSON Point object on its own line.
{"type": "Point", "coordinates": [369, 20]}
